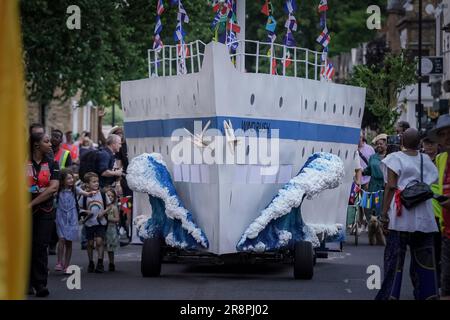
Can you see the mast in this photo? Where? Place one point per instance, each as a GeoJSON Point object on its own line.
{"type": "Point", "coordinates": [240, 14]}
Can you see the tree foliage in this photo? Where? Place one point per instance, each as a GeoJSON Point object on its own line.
{"type": "Point", "coordinates": [384, 84]}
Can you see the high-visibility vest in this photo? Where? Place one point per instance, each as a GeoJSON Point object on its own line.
{"type": "Point", "coordinates": [73, 149]}
{"type": "Point", "coordinates": [40, 182]}
{"type": "Point", "coordinates": [61, 156]}
{"type": "Point", "coordinates": [441, 163]}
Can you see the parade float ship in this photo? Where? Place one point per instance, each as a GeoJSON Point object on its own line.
{"type": "Point", "coordinates": [239, 209]}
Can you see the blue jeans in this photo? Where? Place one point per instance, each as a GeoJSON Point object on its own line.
{"type": "Point", "coordinates": [422, 269]}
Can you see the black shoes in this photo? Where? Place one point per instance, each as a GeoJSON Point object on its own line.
{"type": "Point", "coordinates": [31, 291]}
{"type": "Point", "coordinates": [112, 267]}
{"type": "Point", "coordinates": [100, 268]}
{"type": "Point", "coordinates": [91, 267]}
{"type": "Point", "coordinates": [42, 292]}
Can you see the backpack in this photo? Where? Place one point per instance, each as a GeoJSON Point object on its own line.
{"type": "Point", "coordinates": [103, 199]}
{"type": "Point", "coordinates": [88, 163]}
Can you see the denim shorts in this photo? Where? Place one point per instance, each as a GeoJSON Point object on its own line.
{"type": "Point", "coordinates": [445, 267]}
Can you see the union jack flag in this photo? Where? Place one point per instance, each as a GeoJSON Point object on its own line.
{"type": "Point", "coordinates": [290, 6]}
{"type": "Point", "coordinates": [289, 39]}
{"type": "Point", "coordinates": [328, 71]}
{"type": "Point", "coordinates": [232, 41]}
{"type": "Point", "coordinates": [179, 32]}
{"type": "Point", "coordinates": [291, 23]}
{"type": "Point", "coordinates": [271, 36]}
{"type": "Point", "coordinates": [160, 7]}
{"type": "Point", "coordinates": [157, 43]}
{"type": "Point", "coordinates": [324, 38]}
{"type": "Point", "coordinates": [158, 26]}
{"type": "Point", "coordinates": [182, 14]}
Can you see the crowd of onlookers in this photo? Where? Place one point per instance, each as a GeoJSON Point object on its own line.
{"type": "Point", "coordinates": [398, 162]}
{"type": "Point", "coordinates": [75, 188]}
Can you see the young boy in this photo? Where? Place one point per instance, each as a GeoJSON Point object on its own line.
{"type": "Point", "coordinates": [93, 207]}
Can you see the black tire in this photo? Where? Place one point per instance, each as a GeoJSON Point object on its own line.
{"type": "Point", "coordinates": [151, 258]}
{"type": "Point", "coordinates": [303, 260]}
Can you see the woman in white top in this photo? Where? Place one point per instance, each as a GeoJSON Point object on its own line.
{"type": "Point", "coordinates": [413, 227]}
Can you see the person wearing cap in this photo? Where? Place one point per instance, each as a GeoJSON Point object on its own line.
{"type": "Point", "coordinates": [441, 133]}
{"type": "Point", "coordinates": [373, 169]}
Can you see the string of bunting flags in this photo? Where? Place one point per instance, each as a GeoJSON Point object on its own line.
{"type": "Point", "coordinates": [225, 24]}
{"type": "Point", "coordinates": [364, 199]}
{"type": "Point", "coordinates": [324, 39]}
{"type": "Point", "coordinates": [179, 35]}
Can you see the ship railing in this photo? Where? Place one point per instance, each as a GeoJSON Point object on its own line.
{"type": "Point", "coordinates": [173, 60]}
{"type": "Point", "coordinates": [250, 56]}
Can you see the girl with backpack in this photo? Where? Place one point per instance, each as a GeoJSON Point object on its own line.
{"type": "Point", "coordinates": [66, 219]}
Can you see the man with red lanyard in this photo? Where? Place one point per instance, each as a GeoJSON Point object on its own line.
{"type": "Point", "coordinates": [442, 134]}
{"type": "Point", "coordinates": [43, 183]}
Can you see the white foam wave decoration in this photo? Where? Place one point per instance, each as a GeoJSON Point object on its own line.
{"type": "Point", "coordinates": [314, 231]}
{"type": "Point", "coordinates": [143, 176]}
{"type": "Point", "coordinates": [322, 171]}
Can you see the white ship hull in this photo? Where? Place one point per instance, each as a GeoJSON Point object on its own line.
{"type": "Point", "coordinates": [225, 199]}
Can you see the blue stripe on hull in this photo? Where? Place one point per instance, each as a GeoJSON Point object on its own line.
{"type": "Point", "coordinates": [292, 130]}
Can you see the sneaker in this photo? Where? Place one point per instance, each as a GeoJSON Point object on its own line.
{"type": "Point", "coordinates": [99, 268]}
{"type": "Point", "coordinates": [66, 272]}
{"type": "Point", "coordinates": [91, 267]}
{"type": "Point", "coordinates": [59, 267]}
{"type": "Point", "coordinates": [42, 292]}
{"type": "Point", "coordinates": [112, 267]}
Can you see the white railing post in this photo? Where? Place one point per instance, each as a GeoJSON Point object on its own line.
{"type": "Point", "coordinates": [257, 57]}
{"type": "Point", "coordinates": [149, 63]}
{"type": "Point", "coordinates": [306, 64]}
{"type": "Point", "coordinates": [164, 60]}
{"type": "Point", "coordinates": [170, 60]}
{"type": "Point", "coordinates": [192, 58]}
{"type": "Point", "coordinates": [284, 60]}
{"type": "Point", "coordinates": [295, 62]}
{"type": "Point", "coordinates": [315, 65]}
{"type": "Point", "coordinates": [156, 63]}
{"type": "Point", "coordinates": [198, 56]}
{"type": "Point", "coordinates": [271, 57]}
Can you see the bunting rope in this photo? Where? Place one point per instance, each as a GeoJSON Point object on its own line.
{"type": "Point", "coordinates": [179, 35]}
{"type": "Point", "coordinates": [157, 42]}
{"type": "Point", "coordinates": [324, 39]}
{"type": "Point", "coordinates": [225, 24]}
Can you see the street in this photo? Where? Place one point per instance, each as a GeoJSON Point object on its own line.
{"type": "Point", "coordinates": [340, 277]}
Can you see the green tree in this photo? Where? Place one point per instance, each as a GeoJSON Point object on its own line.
{"type": "Point", "coordinates": [384, 84]}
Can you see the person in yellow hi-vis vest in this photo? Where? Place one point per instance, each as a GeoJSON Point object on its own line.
{"type": "Point", "coordinates": [442, 210]}
{"type": "Point", "coordinates": [14, 224]}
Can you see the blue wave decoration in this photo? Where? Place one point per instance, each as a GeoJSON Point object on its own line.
{"type": "Point", "coordinates": [147, 173]}
{"type": "Point", "coordinates": [280, 224]}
